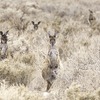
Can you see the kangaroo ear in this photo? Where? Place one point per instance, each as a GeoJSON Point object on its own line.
{"type": "Point", "coordinates": [1, 32]}
{"type": "Point", "coordinates": [33, 22]}
{"type": "Point", "coordinates": [55, 34]}
{"type": "Point", "coordinates": [39, 22]}
{"type": "Point", "coordinates": [49, 33]}
{"type": "Point", "coordinates": [90, 11]}
{"type": "Point", "coordinates": [6, 32]}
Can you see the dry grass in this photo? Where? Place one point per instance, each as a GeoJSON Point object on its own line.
{"type": "Point", "coordinates": [78, 44]}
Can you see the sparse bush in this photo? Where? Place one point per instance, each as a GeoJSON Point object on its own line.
{"type": "Point", "coordinates": [73, 92]}
{"type": "Point", "coordinates": [28, 59]}
{"type": "Point", "coordinates": [15, 73]}
{"type": "Point", "coordinates": [18, 93]}
{"type": "Point", "coordinates": [48, 8]}
{"type": "Point", "coordinates": [78, 44]}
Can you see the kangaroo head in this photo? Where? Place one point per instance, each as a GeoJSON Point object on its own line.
{"type": "Point", "coordinates": [4, 37]}
{"type": "Point", "coordinates": [36, 24]}
{"type": "Point", "coordinates": [52, 38]}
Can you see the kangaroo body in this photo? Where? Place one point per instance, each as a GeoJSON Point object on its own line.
{"type": "Point", "coordinates": [49, 75]}
{"type": "Point", "coordinates": [53, 56]}
{"type": "Point", "coordinates": [50, 72]}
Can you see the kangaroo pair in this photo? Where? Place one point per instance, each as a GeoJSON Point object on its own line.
{"type": "Point", "coordinates": [3, 45]}
{"type": "Point", "coordinates": [50, 72]}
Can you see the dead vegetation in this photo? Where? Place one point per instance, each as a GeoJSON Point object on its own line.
{"type": "Point", "coordinates": [78, 43]}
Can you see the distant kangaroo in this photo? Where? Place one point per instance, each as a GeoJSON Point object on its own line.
{"type": "Point", "coordinates": [49, 75]}
{"type": "Point", "coordinates": [91, 17]}
{"type": "Point", "coordinates": [50, 72]}
{"type": "Point", "coordinates": [3, 45]}
{"type": "Point", "coordinates": [36, 25]}
{"type": "Point", "coordinates": [53, 52]}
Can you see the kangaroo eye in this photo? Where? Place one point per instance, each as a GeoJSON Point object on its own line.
{"type": "Point", "coordinates": [54, 36]}
{"type": "Point", "coordinates": [50, 36]}
{"type": "Point", "coordinates": [56, 66]}
{"type": "Point", "coordinates": [51, 67]}
{"type": "Point", "coordinates": [52, 76]}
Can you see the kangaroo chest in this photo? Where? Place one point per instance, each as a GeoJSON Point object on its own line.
{"type": "Point", "coordinates": [53, 55]}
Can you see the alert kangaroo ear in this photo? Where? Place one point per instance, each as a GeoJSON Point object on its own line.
{"type": "Point", "coordinates": [33, 22]}
{"type": "Point", "coordinates": [90, 11]}
{"type": "Point", "coordinates": [55, 34]}
{"type": "Point", "coordinates": [49, 33]}
{"type": "Point", "coordinates": [6, 32]}
{"type": "Point", "coordinates": [39, 22]}
{"type": "Point", "coordinates": [1, 32]}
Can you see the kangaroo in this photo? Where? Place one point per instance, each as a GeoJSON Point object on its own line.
{"type": "Point", "coordinates": [49, 74]}
{"type": "Point", "coordinates": [53, 52]}
{"type": "Point", "coordinates": [36, 25]}
{"type": "Point", "coordinates": [91, 17]}
{"type": "Point", "coordinates": [3, 45]}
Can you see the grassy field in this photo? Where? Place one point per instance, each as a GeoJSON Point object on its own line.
{"type": "Point", "coordinates": [78, 44]}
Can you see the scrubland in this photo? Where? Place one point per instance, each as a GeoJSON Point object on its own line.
{"type": "Point", "coordinates": [77, 41]}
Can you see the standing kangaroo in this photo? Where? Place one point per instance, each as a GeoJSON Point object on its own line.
{"type": "Point", "coordinates": [53, 52]}
{"type": "Point", "coordinates": [91, 17]}
{"type": "Point", "coordinates": [50, 72]}
{"type": "Point", "coordinates": [3, 45]}
{"type": "Point", "coordinates": [36, 25]}
{"type": "Point", "coordinates": [49, 75]}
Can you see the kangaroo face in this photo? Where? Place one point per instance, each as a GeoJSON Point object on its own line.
{"type": "Point", "coordinates": [36, 25]}
{"type": "Point", "coordinates": [4, 37]}
{"type": "Point", "coordinates": [52, 39]}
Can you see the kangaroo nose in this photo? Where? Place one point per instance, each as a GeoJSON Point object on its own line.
{"type": "Point", "coordinates": [56, 66]}
{"type": "Point", "coordinates": [55, 72]}
{"type": "Point", "coordinates": [52, 41]}
{"type": "Point", "coordinates": [35, 27]}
